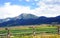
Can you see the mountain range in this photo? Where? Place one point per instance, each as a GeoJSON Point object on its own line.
{"type": "Point", "coordinates": [28, 19]}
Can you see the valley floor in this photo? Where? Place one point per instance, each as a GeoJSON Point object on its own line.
{"type": "Point", "coordinates": [37, 31]}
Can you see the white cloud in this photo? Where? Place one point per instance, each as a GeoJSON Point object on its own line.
{"type": "Point", "coordinates": [7, 4]}
{"type": "Point", "coordinates": [47, 10]}
{"type": "Point", "coordinates": [12, 10]}
{"type": "Point", "coordinates": [52, 2]}
{"type": "Point", "coordinates": [44, 10]}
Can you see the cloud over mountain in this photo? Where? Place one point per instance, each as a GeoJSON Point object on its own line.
{"type": "Point", "coordinates": [48, 8]}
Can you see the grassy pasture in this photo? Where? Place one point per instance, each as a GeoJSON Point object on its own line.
{"type": "Point", "coordinates": [29, 29]}
{"type": "Point", "coordinates": [43, 31]}
{"type": "Point", "coordinates": [37, 36]}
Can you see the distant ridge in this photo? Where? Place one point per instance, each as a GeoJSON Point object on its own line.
{"type": "Point", "coordinates": [28, 19]}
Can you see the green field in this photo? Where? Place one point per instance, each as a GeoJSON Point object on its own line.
{"type": "Point", "coordinates": [27, 31]}
{"type": "Point", "coordinates": [31, 36]}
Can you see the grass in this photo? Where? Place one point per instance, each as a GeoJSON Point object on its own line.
{"type": "Point", "coordinates": [30, 30]}
{"type": "Point", "coordinates": [27, 31]}
{"type": "Point", "coordinates": [36, 36]}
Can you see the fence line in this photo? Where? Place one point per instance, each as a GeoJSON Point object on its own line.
{"type": "Point", "coordinates": [33, 35]}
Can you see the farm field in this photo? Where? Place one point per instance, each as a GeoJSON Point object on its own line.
{"type": "Point", "coordinates": [43, 31]}
{"type": "Point", "coordinates": [31, 36]}
{"type": "Point", "coordinates": [36, 36]}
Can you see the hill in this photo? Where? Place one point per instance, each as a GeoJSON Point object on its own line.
{"type": "Point", "coordinates": [28, 19]}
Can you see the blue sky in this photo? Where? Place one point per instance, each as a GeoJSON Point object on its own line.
{"type": "Point", "coordinates": [31, 3]}
{"type": "Point", "coordinates": [12, 8]}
